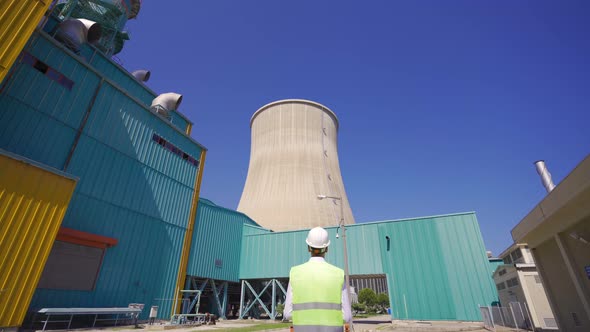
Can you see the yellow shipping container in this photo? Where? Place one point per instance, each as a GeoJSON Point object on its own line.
{"type": "Point", "coordinates": [18, 19]}
{"type": "Point", "coordinates": [33, 201]}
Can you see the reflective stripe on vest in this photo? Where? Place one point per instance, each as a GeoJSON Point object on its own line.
{"type": "Point", "coordinates": [317, 295]}
{"type": "Point", "coordinates": [317, 328]}
{"type": "Point", "coordinates": [317, 305]}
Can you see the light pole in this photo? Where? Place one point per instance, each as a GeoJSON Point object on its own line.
{"type": "Point", "coordinates": [343, 228]}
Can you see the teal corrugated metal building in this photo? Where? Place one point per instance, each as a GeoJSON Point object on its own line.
{"type": "Point", "coordinates": [494, 263]}
{"type": "Point", "coordinates": [131, 188]}
{"type": "Point", "coordinates": [436, 267]}
{"type": "Point", "coordinates": [215, 251]}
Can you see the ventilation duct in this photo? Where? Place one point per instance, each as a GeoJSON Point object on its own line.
{"type": "Point", "coordinates": [141, 75]}
{"type": "Point", "coordinates": [135, 6]}
{"type": "Point", "coordinates": [75, 32]}
{"type": "Point", "coordinates": [545, 175]}
{"type": "Point", "coordinates": [165, 103]}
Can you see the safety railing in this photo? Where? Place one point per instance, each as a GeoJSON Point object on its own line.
{"type": "Point", "coordinates": [516, 316]}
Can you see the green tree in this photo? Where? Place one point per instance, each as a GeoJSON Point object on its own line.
{"type": "Point", "coordinates": [382, 301]}
{"type": "Point", "coordinates": [368, 297]}
{"type": "Point", "coordinates": [279, 309]}
{"type": "Point", "coordinates": [358, 308]}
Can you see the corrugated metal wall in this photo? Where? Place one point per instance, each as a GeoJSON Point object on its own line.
{"type": "Point", "coordinates": [494, 263]}
{"type": "Point", "coordinates": [436, 267]}
{"type": "Point", "coordinates": [18, 19]}
{"type": "Point", "coordinates": [252, 230]}
{"type": "Point", "coordinates": [286, 249]}
{"type": "Point", "coordinates": [130, 188]}
{"type": "Point", "coordinates": [217, 239]}
{"type": "Point", "coordinates": [271, 255]}
{"type": "Point", "coordinates": [33, 201]}
{"type": "Point", "coordinates": [179, 120]}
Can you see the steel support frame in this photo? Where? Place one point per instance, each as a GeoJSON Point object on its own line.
{"type": "Point", "coordinates": [219, 294]}
{"type": "Point", "coordinates": [272, 283]}
{"type": "Point", "coordinates": [220, 297]}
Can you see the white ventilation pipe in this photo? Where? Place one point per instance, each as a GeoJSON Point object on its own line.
{"type": "Point", "coordinates": [545, 175]}
{"type": "Point", "coordinates": [166, 102]}
{"type": "Point", "coordinates": [141, 75]}
{"type": "Point", "coordinates": [77, 31]}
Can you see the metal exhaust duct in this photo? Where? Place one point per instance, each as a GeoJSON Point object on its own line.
{"type": "Point", "coordinates": [135, 6]}
{"type": "Point", "coordinates": [165, 103]}
{"type": "Point", "coordinates": [77, 31]}
{"type": "Point", "coordinates": [141, 75]}
{"type": "Point", "coordinates": [293, 160]}
{"type": "Point", "coordinates": [545, 175]}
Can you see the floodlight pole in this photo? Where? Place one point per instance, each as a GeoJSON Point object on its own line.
{"type": "Point", "coordinates": [343, 229]}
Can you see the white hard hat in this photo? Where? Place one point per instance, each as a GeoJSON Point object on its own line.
{"type": "Point", "coordinates": [318, 238]}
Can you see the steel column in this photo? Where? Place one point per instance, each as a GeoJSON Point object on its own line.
{"type": "Point", "coordinates": [221, 304]}
{"type": "Point", "coordinates": [273, 302]}
{"type": "Point", "coordinates": [225, 287]}
{"type": "Point", "coordinates": [242, 291]}
{"type": "Point", "coordinates": [281, 287]}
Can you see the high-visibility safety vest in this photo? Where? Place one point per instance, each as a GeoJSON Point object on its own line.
{"type": "Point", "coordinates": [317, 297]}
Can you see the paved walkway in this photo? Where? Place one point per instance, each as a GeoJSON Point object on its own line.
{"type": "Point", "coordinates": [384, 323]}
{"type": "Point", "coordinates": [371, 324]}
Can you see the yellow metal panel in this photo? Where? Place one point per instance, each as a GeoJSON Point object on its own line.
{"type": "Point", "coordinates": [18, 19]}
{"type": "Point", "coordinates": [33, 201]}
{"type": "Point", "coordinates": [188, 235]}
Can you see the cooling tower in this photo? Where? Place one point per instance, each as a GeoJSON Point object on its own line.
{"type": "Point", "coordinates": [293, 159]}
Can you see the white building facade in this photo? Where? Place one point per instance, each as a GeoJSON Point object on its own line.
{"type": "Point", "coordinates": [519, 285]}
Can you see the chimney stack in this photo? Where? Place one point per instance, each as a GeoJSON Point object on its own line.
{"type": "Point", "coordinates": [545, 175]}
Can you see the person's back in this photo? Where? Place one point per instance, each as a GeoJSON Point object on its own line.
{"type": "Point", "coordinates": [317, 291]}
{"type": "Point", "coordinates": [316, 299]}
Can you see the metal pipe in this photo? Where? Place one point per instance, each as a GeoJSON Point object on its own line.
{"type": "Point", "coordinates": [166, 102]}
{"type": "Point", "coordinates": [343, 228]}
{"type": "Point", "coordinates": [545, 175]}
{"type": "Point", "coordinates": [77, 31]}
{"type": "Point", "coordinates": [141, 75]}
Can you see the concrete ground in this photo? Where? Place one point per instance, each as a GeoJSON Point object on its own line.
{"type": "Point", "coordinates": [371, 324]}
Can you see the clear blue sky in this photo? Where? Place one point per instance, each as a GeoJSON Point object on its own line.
{"type": "Point", "coordinates": [443, 105]}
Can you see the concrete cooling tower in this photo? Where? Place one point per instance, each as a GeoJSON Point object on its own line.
{"type": "Point", "coordinates": [293, 159]}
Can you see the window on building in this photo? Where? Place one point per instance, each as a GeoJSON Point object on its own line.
{"type": "Point", "coordinates": [507, 260]}
{"type": "Point", "coordinates": [502, 272]}
{"type": "Point", "coordinates": [45, 69]}
{"type": "Point", "coordinates": [516, 254]}
{"type": "Point", "coordinates": [75, 260]}
{"type": "Point", "coordinates": [501, 286]}
{"type": "Point", "coordinates": [512, 282]}
{"type": "Point", "coordinates": [174, 149]}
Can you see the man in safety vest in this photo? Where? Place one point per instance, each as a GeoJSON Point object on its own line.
{"type": "Point", "coordinates": [317, 299]}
